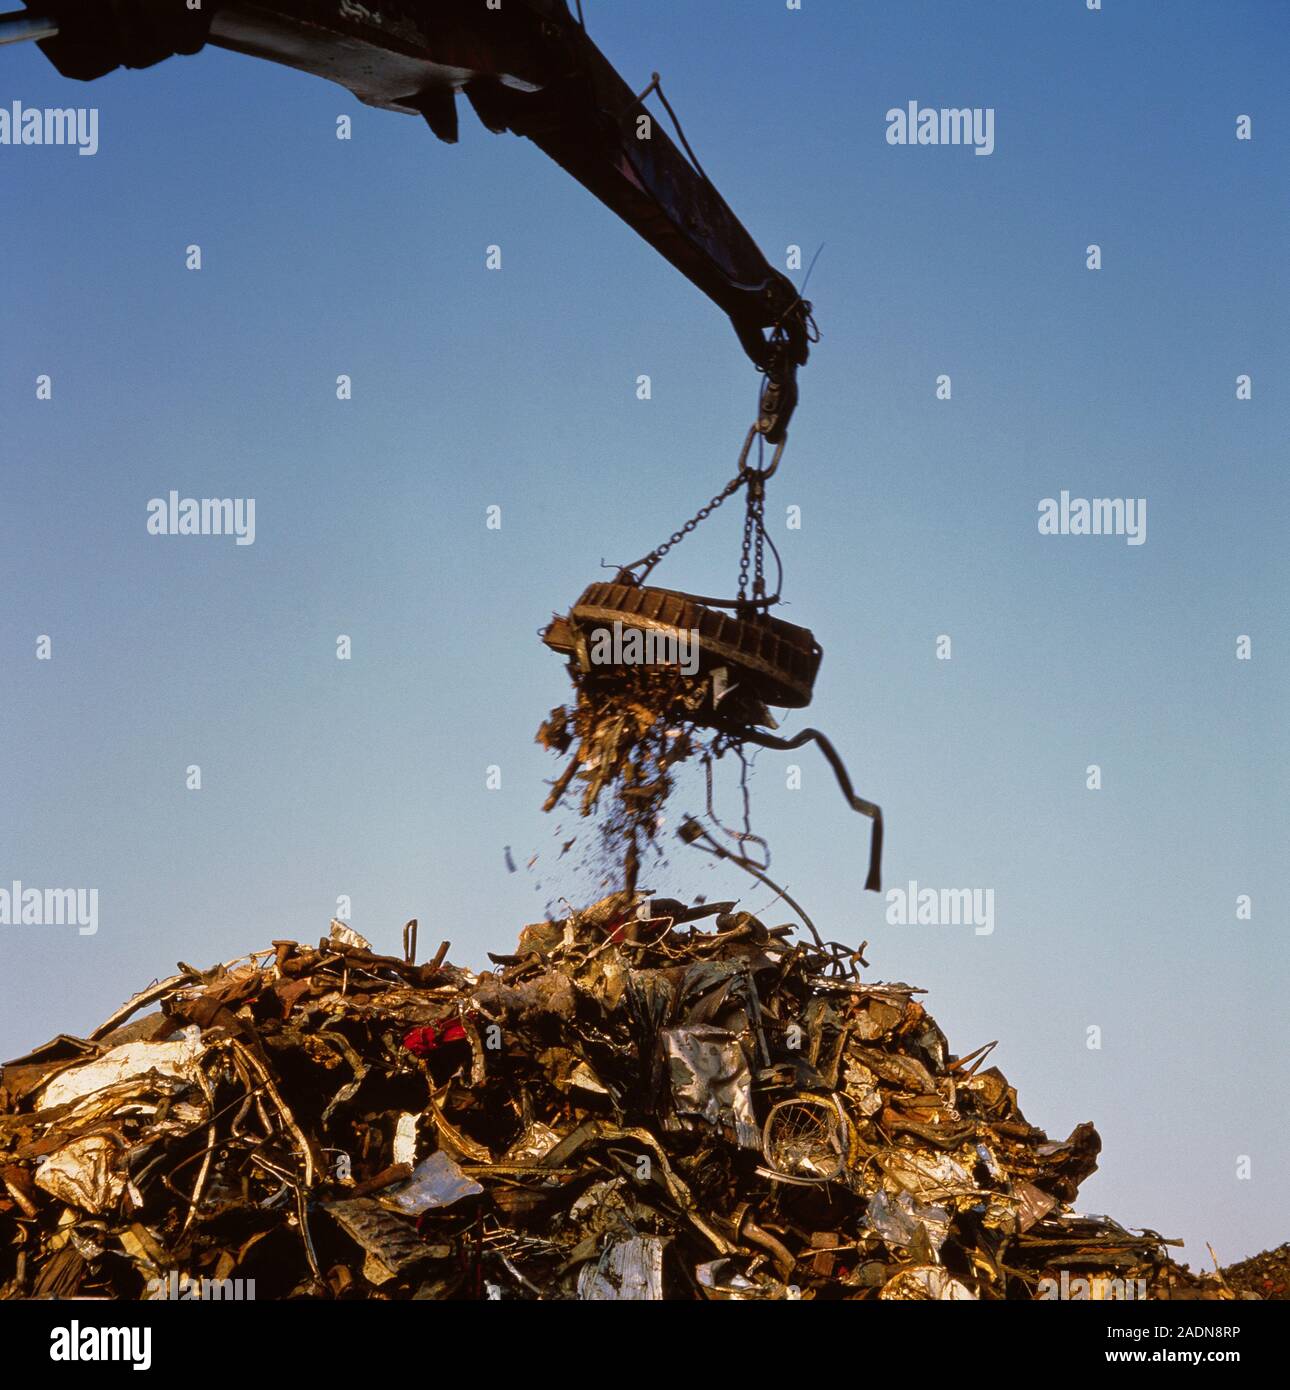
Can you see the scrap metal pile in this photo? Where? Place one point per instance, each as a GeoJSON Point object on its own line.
{"type": "Point", "coordinates": [646, 1100]}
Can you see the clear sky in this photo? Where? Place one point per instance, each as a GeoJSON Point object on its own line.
{"type": "Point", "coordinates": [1115, 909]}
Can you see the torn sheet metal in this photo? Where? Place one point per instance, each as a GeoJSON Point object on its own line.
{"type": "Point", "coordinates": [861, 1088]}
{"type": "Point", "coordinates": [723, 1281]}
{"type": "Point", "coordinates": [899, 1220]}
{"type": "Point", "coordinates": [929, 1176]}
{"type": "Point", "coordinates": [381, 1234]}
{"type": "Point", "coordinates": [342, 934]}
{"type": "Point", "coordinates": [24, 1075]}
{"type": "Point", "coordinates": [125, 1063]}
{"type": "Point", "coordinates": [87, 1173]}
{"type": "Point", "coordinates": [711, 1082]}
{"type": "Point", "coordinates": [1033, 1205]}
{"type": "Point", "coordinates": [586, 1080]}
{"type": "Point", "coordinates": [405, 1136]}
{"type": "Point", "coordinates": [536, 1142]}
{"type": "Point", "coordinates": [627, 1270]}
{"type": "Point", "coordinates": [923, 1282]}
{"type": "Point", "coordinates": [436, 1182]}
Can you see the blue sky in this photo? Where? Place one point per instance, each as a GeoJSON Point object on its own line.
{"type": "Point", "coordinates": [1115, 908]}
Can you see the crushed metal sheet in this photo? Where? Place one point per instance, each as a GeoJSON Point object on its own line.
{"type": "Point", "coordinates": [123, 1063]}
{"type": "Point", "coordinates": [436, 1182]}
{"type": "Point", "coordinates": [711, 1082]}
{"type": "Point", "coordinates": [628, 1270]}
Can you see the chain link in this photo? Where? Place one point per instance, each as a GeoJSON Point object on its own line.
{"type": "Point", "coordinates": [753, 550]}
{"type": "Point", "coordinates": [757, 506]}
{"type": "Point", "coordinates": [744, 549]}
{"type": "Point", "coordinates": [702, 514]}
{"type": "Point", "coordinates": [752, 554]}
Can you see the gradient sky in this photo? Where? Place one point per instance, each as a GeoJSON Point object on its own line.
{"type": "Point", "coordinates": [1114, 908]}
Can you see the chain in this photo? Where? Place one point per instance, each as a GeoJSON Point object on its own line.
{"type": "Point", "coordinates": [745, 548]}
{"type": "Point", "coordinates": [702, 514]}
{"type": "Point", "coordinates": [759, 506]}
{"type": "Point", "coordinates": [752, 554]}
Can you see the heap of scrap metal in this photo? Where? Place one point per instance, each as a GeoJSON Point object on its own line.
{"type": "Point", "coordinates": [645, 1101]}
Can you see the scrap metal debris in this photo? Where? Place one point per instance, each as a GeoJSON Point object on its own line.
{"type": "Point", "coordinates": [639, 712]}
{"type": "Point", "coordinates": [646, 1100]}
{"type": "Point", "coordinates": [1265, 1275]}
{"type": "Point", "coordinates": [627, 730]}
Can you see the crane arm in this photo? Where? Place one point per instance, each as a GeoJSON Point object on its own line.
{"type": "Point", "coordinates": [525, 66]}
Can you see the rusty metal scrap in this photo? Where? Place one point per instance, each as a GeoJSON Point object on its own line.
{"type": "Point", "coordinates": [647, 1100]}
{"type": "Point", "coordinates": [662, 677]}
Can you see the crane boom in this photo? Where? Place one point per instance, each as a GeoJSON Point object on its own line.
{"type": "Point", "coordinates": [525, 66]}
